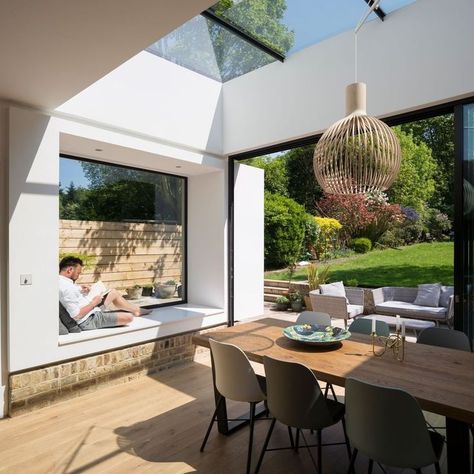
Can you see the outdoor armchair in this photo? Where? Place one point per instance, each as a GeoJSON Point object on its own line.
{"type": "Point", "coordinates": [339, 307]}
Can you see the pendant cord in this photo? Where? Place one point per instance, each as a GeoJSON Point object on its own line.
{"type": "Point", "coordinates": [355, 57]}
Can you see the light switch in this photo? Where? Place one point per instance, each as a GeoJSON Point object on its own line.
{"type": "Point", "coordinates": [26, 280]}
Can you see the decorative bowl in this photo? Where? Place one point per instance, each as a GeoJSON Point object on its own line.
{"type": "Point", "coordinates": [316, 335]}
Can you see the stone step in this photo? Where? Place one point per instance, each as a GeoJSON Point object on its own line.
{"type": "Point", "coordinates": [276, 283]}
{"type": "Point", "coordinates": [274, 290]}
{"type": "Point", "coordinates": [270, 297]}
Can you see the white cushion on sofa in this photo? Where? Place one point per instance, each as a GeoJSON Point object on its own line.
{"type": "Point", "coordinates": [411, 310]}
{"type": "Point", "coordinates": [446, 293]}
{"type": "Point", "coordinates": [333, 289]}
{"type": "Point", "coordinates": [428, 295]}
{"type": "Point", "coordinates": [354, 310]}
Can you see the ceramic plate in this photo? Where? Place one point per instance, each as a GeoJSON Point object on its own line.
{"type": "Point", "coordinates": [316, 335]}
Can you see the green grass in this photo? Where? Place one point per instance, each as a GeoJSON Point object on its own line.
{"type": "Point", "coordinates": [406, 266]}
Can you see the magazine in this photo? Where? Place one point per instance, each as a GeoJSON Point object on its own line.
{"type": "Point", "coordinates": [97, 289]}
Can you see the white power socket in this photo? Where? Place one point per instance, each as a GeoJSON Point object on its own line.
{"type": "Point", "coordinates": [26, 279]}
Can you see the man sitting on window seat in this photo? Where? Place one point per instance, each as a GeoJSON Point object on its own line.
{"type": "Point", "coordinates": [90, 313]}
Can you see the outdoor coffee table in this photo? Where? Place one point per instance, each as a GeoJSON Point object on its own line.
{"type": "Point", "coordinates": [415, 324]}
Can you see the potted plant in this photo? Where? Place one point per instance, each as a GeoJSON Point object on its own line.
{"type": "Point", "coordinates": [316, 276]}
{"type": "Point", "coordinates": [282, 303]}
{"type": "Point", "coordinates": [296, 300]}
{"type": "Point", "coordinates": [147, 290]}
{"type": "Point", "coordinates": [134, 292]}
{"type": "Point", "coordinates": [165, 290]}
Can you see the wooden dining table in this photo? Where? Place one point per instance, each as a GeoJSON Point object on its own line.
{"type": "Point", "coordinates": [441, 380]}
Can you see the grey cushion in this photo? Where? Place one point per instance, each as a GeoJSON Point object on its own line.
{"type": "Point", "coordinates": [62, 329]}
{"type": "Point", "coordinates": [67, 321]}
{"type": "Point", "coordinates": [446, 293]}
{"type": "Point", "coordinates": [410, 310]}
{"type": "Point", "coordinates": [333, 289]}
{"type": "Point", "coordinates": [354, 310]}
{"type": "Point", "coordinates": [428, 295]}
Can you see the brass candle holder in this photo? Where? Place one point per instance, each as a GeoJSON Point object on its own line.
{"type": "Point", "coordinates": [395, 342]}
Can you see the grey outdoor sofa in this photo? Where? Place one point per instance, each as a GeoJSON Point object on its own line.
{"type": "Point", "coordinates": [392, 300]}
{"type": "Point", "coordinates": [339, 306]}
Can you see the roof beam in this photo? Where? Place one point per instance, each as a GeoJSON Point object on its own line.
{"type": "Point", "coordinates": [210, 15]}
{"type": "Point", "coordinates": [378, 11]}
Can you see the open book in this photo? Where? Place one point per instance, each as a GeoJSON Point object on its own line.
{"type": "Point", "coordinates": [97, 289]}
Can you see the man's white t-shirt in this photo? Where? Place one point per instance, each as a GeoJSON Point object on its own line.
{"type": "Point", "coordinates": [71, 297]}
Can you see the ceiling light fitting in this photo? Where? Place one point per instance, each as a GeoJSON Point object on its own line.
{"type": "Point", "coordinates": [358, 154]}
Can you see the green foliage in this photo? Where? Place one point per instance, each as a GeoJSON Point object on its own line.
{"type": "Point", "coordinates": [284, 230]}
{"type": "Point", "coordinates": [415, 184]}
{"type": "Point", "coordinates": [351, 282]}
{"type": "Point", "coordinates": [317, 275]}
{"type": "Point", "coordinates": [329, 231]}
{"type": "Point", "coordinates": [87, 260]}
{"type": "Point", "coordinates": [276, 179]}
{"type": "Point", "coordinates": [438, 224]}
{"type": "Point", "coordinates": [405, 266]}
{"type": "Point", "coordinates": [312, 233]}
{"type": "Point", "coordinates": [361, 245]}
{"type": "Point", "coordinates": [295, 297]}
{"type": "Point", "coordinates": [389, 239]}
{"type": "Point", "coordinates": [282, 300]}
{"type": "Point", "coordinates": [438, 134]}
{"type": "Point", "coordinates": [302, 184]}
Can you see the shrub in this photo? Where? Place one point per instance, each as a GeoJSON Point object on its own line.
{"type": "Point", "coordinates": [352, 282]}
{"type": "Point", "coordinates": [312, 232]}
{"type": "Point", "coordinates": [438, 224]}
{"type": "Point", "coordinates": [284, 230]}
{"type": "Point", "coordinates": [389, 239]}
{"type": "Point", "coordinates": [329, 232]}
{"type": "Point", "coordinates": [317, 275]}
{"type": "Point", "coordinates": [361, 245]}
{"type": "Point", "coordinates": [282, 300]}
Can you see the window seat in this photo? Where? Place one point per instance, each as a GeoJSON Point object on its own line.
{"type": "Point", "coordinates": [160, 323]}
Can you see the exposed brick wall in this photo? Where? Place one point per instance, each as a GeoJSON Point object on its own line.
{"type": "Point", "coordinates": [46, 386]}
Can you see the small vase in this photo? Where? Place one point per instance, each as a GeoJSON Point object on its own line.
{"type": "Point", "coordinates": [297, 306]}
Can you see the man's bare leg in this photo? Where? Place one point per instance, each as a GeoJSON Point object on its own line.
{"type": "Point", "coordinates": [115, 298]}
{"type": "Point", "coordinates": [124, 318]}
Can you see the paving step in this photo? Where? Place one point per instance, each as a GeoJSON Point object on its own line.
{"type": "Point", "coordinates": [275, 290]}
{"type": "Point", "coordinates": [270, 297]}
{"type": "Point", "coordinates": [278, 283]}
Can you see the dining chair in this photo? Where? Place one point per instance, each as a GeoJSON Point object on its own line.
{"type": "Point", "coordinates": [320, 319]}
{"type": "Point", "coordinates": [236, 380]}
{"type": "Point", "coordinates": [387, 425]}
{"type": "Point", "coordinates": [295, 399]}
{"type": "Point", "coordinates": [449, 338]}
{"type": "Point", "coordinates": [314, 317]}
{"type": "Point", "coordinates": [364, 326]}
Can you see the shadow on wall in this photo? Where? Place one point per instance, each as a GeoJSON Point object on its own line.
{"type": "Point", "coordinates": [125, 254]}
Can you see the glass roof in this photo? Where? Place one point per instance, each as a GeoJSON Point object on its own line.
{"type": "Point", "coordinates": [285, 26]}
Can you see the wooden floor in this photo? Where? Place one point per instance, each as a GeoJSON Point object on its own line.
{"type": "Point", "coordinates": [154, 424]}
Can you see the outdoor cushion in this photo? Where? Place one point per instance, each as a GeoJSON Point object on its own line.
{"type": "Point", "coordinates": [67, 321]}
{"type": "Point", "coordinates": [428, 295]}
{"type": "Point", "coordinates": [354, 310]}
{"type": "Point", "coordinates": [446, 293]}
{"type": "Point", "coordinates": [62, 329]}
{"type": "Point", "coordinates": [333, 289]}
{"type": "Point", "coordinates": [411, 310]}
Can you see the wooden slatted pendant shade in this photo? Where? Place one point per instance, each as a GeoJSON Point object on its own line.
{"type": "Point", "coordinates": [358, 154]}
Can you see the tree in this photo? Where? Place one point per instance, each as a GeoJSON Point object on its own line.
{"type": "Point", "coordinates": [302, 184]}
{"type": "Point", "coordinates": [276, 179]}
{"type": "Point", "coordinates": [415, 184]}
{"type": "Point", "coordinates": [438, 134]}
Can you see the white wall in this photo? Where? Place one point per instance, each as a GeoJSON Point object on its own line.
{"type": "Point", "coordinates": [35, 140]}
{"type": "Point", "coordinates": [248, 242]}
{"type": "Point", "coordinates": [3, 254]}
{"type": "Point", "coordinates": [420, 55]}
{"type": "Point", "coordinates": [207, 267]}
{"type": "Point", "coordinates": [157, 98]}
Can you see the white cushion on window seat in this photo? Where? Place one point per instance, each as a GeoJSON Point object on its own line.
{"type": "Point", "coordinates": [411, 310]}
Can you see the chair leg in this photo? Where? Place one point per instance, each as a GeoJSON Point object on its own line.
{"type": "Point", "coordinates": [252, 424]}
{"type": "Point", "coordinates": [265, 445]}
{"type": "Point", "coordinates": [438, 468]}
{"type": "Point", "coordinates": [371, 466]}
{"type": "Point", "coordinates": [418, 471]}
{"type": "Point", "coordinates": [320, 451]}
{"type": "Point", "coordinates": [203, 445]}
{"type": "Point", "coordinates": [348, 444]}
{"type": "Point", "coordinates": [333, 392]}
{"type": "Point", "coordinates": [290, 433]}
{"type": "Point", "coordinates": [353, 458]}
{"type": "Point", "coordinates": [297, 443]}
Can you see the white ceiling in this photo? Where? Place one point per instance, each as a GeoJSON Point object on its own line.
{"type": "Point", "coordinates": [50, 50]}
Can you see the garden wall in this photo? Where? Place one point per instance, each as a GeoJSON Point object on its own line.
{"type": "Point", "coordinates": [124, 254]}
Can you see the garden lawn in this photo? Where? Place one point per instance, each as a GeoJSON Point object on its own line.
{"type": "Point", "coordinates": [405, 266]}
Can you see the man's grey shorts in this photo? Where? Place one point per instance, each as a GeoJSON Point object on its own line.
{"type": "Point", "coordinates": [100, 320]}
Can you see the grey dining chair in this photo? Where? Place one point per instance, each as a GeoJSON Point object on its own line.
{"type": "Point", "coordinates": [387, 425]}
{"type": "Point", "coordinates": [295, 399]}
{"type": "Point", "coordinates": [314, 317]}
{"type": "Point", "coordinates": [320, 319]}
{"type": "Point", "coordinates": [364, 326]}
{"type": "Point", "coordinates": [236, 380]}
{"type": "Point", "coordinates": [449, 338]}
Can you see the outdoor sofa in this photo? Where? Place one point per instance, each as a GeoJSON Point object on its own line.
{"type": "Point", "coordinates": [393, 300]}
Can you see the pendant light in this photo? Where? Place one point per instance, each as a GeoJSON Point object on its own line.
{"type": "Point", "coordinates": [358, 154]}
